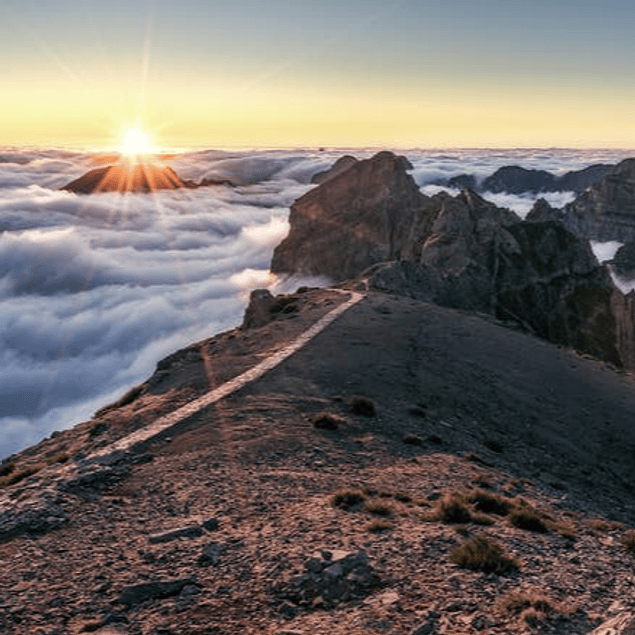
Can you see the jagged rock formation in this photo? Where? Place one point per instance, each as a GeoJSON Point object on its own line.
{"type": "Point", "coordinates": [623, 262]}
{"type": "Point", "coordinates": [141, 177]}
{"type": "Point", "coordinates": [341, 165]}
{"type": "Point", "coordinates": [606, 211]}
{"type": "Point", "coordinates": [462, 252]}
{"type": "Point", "coordinates": [515, 179]}
{"type": "Point", "coordinates": [358, 218]}
{"type": "Point", "coordinates": [542, 211]}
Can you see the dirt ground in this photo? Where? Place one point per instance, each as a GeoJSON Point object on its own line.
{"type": "Point", "coordinates": [462, 405]}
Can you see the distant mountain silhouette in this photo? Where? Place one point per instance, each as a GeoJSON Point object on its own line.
{"type": "Point", "coordinates": [142, 177]}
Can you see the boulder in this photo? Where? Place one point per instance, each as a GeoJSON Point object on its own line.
{"type": "Point", "coordinates": [364, 215]}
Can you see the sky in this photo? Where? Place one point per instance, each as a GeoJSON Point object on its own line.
{"type": "Point", "coordinates": [336, 73]}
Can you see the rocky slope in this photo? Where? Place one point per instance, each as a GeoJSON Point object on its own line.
{"type": "Point", "coordinates": [255, 516]}
{"type": "Point", "coordinates": [461, 252]}
{"type": "Point", "coordinates": [141, 177]}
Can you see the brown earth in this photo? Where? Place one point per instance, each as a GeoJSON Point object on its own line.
{"type": "Point", "coordinates": [462, 404]}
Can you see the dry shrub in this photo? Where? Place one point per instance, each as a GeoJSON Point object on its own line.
{"type": "Point", "coordinates": [452, 509]}
{"type": "Point", "coordinates": [19, 475]}
{"type": "Point", "coordinates": [379, 526]}
{"type": "Point", "coordinates": [526, 517]}
{"type": "Point", "coordinates": [326, 421]}
{"type": "Point", "coordinates": [346, 499]}
{"type": "Point", "coordinates": [629, 542]}
{"type": "Point", "coordinates": [483, 554]}
{"type": "Point", "coordinates": [361, 405]}
{"type": "Point", "coordinates": [378, 509]}
{"type": "Point", "coordinates": [490, 503]}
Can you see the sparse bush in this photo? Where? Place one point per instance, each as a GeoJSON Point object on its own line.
{"type": "Point", "coordinates": [629, 542]}
{"type": "Point", "coordinates": [564, 529]}
{"type": "Point", "coordinates": [326, 421]}
{"type": "Point", "coordinates": [483, 554]}
{"type": "Point", "coordinates": [378, 509]}
{"type": "Point", "coordinates": [60, 457]}
{"type": "Point", "coordinates": [603, 526]}
{"type": "Point", "coordinates": [346, 499]}
{"type": "Point", "coordinates": [453, 510]}
{"type": "Point", "coordinates": [412, 439]}
{"type": "Point", "coordinates": [526, 517]}
{"type": "Point", "coordinates": [379, 526]}
{"type": "Point", "coordinates": [19, 475]}
{"type": "Point", "coordinates": [7, 468]}
{"type": "Point", "coordinates": [516, 603]}
{"type": "Point", "coordinates": [361, 405]}
{"type": "Point", "coordinates": [490, 503]}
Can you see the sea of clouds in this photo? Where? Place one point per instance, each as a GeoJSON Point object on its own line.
{"type": "Point", "coordinates": [94, 290]}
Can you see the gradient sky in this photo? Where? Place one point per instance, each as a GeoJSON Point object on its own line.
{"type": "Point", "coordinates": [412, 73]}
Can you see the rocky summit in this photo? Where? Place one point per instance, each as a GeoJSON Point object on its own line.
{"type": "Point", "coordinates": [398, 466]}
{"type": "Point", "coordinates": [126, 177]}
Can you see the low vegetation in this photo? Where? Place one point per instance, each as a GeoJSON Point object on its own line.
{"type": "Point", "coordinates": [18, 475]}
{"type": "Point", "coordinates": [361, 405]}
{"type": "Point", "coordinates": [378, 509]}
{"type": "Point", "coordinates": [526, 517]}
{"type": "Point", "coordinates": [347, 499]}
{"type": "Point", "coordinates": [483, 554]}
{"type": "Point", "coordinates": [629, 542]}
{"type": "Point", "coordinates": [379, 526]}
{"type": "Point", "coordinates": [326, 421]}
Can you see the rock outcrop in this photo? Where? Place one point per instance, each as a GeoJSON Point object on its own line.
{"type": "Point", "coordinates": [341, 165]}
{"type": "Point", "coordinates": [606, 211]}
{"type": "Point", "coordinates": [542, 211]}
{"type": "Point", "coordinates": [462, 252]}
{"type": "Point", "coordinates": [140, 177]}
{"type": "Point", "coordinates": [515, 179]}
{"type": "Point", "coordinates": [364, 215]}
{"type": "Point", "coordinates": [623, 262]}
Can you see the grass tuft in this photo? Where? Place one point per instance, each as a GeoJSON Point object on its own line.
{"type": "Point", "coordinates": [378, 509]}
{"type": "Point", "coordinates": [526, 517]}
{"type": "Point", "coordinates": [379, 526]}
{"type": "Point", "coordinates": [629, 541]}
{"type": "Point", "coordinates": [346, 499]}
{"type": "Point", "coordinates": [452, 509]}
{"type": "Point", "coordinates": [326, 421]}
{"type": "Point", "coordinates": [489, 503]}
{"type": "Point", "coordinates": [361, 405]}
{"type": "Point", "coordinates": [483, 554]}
{"type": "Point", "coordinates": [19, 475]}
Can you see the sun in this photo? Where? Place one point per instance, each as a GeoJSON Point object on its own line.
{"type": "Point", "coordinates": [136, 142]}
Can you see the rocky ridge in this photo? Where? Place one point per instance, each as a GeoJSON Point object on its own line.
{"type": "Point", "coordinates": [370, 221]}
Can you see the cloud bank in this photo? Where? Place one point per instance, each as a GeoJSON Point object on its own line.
{"type": "Point", "coordinates": [96, 289]}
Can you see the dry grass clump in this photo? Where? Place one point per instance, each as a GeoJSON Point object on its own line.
{"type": "Point", "coordinates": [326, 421]}
{"type": "Point", "coordinates": [526, 517]}
{"type": "Point", "coordinates": [602, 526]}
{"type": "Point", "coordinates": [361, 405]}
{"type": "Point", "coordinates": [629, 541]}
{"type": "Point", "coordinates": [483, 554]}
{"type": "Point", "coordinates": [379, 526]}
{"type": "Point", "coordinates": [453, 509]}
{"type": "Point", "coordinates": [490, 503]}
{"type": "Point", "coordinates": [60, 457]}
{"type": "Point", "coordinates": [378, 509]}
{"type": "Point", "coordinates": [19, 475]}
{"type": "Point", "coordinates": [346, 499]}
{"type": "Point", "coordinates": [7, 468]}
{"type": "Point", "coordinates": [412, 439]}
{"type": "Point", "coordinates": [563, 528]}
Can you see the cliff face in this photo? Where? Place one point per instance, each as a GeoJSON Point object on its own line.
{"type": "Point", "coordinates": [364, 215]}
{"type": "Point", "coordinates": [606, 211]}
{"type": "Point", "coordinates": [462, 252]}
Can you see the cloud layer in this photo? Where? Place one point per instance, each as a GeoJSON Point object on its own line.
{"type": "Point", "coordinates": [96, 289]}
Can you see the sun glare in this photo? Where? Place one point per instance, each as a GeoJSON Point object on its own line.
{"type": "Point", "coordinates": [135, 142]}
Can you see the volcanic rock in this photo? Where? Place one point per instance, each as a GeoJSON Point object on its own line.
{"type": "Point", "coordinates": [141, 177]}
{"type": "Point", "coordinates": [363, 216]}
{"type": "Point", "coordinates": [623, 262]}
{"type": "Point", "coordinates": [606, 211]}
{"type": "Point", "coordinates": [514, 179]}
{"type": "Point", "coordinates": [341, 165]}
{"type": "Point", "coordinates": [542, 211]}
